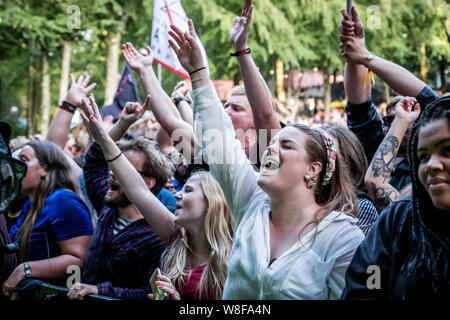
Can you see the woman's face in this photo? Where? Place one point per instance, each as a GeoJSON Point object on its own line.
{"type": "Point", "coordinates": [433, 152]}
{"type": "Point", "coordinates": [35, 172]}
{"type": "Point", "coordinates": [285, 162]}
{"type": "Point", "coordinates": [191, 204]}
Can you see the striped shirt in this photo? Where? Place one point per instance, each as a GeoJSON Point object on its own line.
{"type": "Point", "coordinates": [367, 214]}
{"type": "Point", "coordinates": [120, 224]}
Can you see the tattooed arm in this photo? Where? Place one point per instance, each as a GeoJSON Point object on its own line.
{"type": "Point", "coordinates": [379, 172]}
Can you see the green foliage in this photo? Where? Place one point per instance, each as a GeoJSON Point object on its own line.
{"type": "Point", "coordinates": [302, 33]}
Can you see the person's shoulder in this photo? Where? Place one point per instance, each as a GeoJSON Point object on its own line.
{"type": "Point", "coordinates": [337, 223]}
{"type": "Point", "coordinates": [60, 195]}
{"type": "Point", "coordinates": [397, 210]}
{"type": "Point", "coordinates": [65, 201]}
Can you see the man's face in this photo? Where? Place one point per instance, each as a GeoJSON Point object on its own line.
{"type": "Point", "coordinates": [115, 196]}
{"type": "Point", "coordinates": [239, 110]}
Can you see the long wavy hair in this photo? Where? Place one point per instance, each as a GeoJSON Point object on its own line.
{"type": "Point", "coordinates": [427, 240]}
{"type": "Point", "coordinates": [352, 153]}
{"type": "Point", "coordinates": [219, 223]}
{"type": "Point", "coordinates": [58, 177]}
{"type": "Point", "coordinates": [339, 194]}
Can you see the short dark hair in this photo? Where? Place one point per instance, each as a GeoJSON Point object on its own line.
{"type": "Point", "coordinates": [156, 164]}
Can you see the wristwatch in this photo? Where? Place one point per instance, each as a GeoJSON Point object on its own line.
{"type": "Point", "coordinates": [68, 106]}
{"type": "Point", "coordinates": [370, 57]}
{"type": "Point", "coordinates": [176, 101]}
{"type": "Point", "coordinates": [27, 269]}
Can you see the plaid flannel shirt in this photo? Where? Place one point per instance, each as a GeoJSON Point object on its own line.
{"type": "Point", "coordinates": [120, 265]}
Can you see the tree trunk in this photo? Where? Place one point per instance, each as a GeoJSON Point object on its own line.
{"type": "Point", "coordinates": [112, 66]}
{"type": "Point", "coordinates": [65, 69]}
{"type": "Point", "coordinates": [45, 87]}
{"type": "Point", "coordinates": [31, 96]}
{"type": "Point", "coordinates": [442, 65]}
{"type": "Point", "coordinates": [423, 63]}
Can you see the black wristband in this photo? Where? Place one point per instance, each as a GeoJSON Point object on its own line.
{"type": "Point", "coordinates": [240, 53]}
{"type": "Point", "coordinates": [190, 73]}
{"type": "Point", "coordinates": [176, 101]}
{"type": "Point", "coordinates": [111, 160]}
{"type": "Point", "coordinates": [68, 106]}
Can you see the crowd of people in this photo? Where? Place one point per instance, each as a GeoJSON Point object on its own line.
{"type": "Point", "coordinates": [230, 203]}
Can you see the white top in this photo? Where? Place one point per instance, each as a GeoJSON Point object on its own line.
{"type": "Point", "coordinates": [304, 271]}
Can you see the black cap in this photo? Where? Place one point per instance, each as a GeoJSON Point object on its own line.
{"type": "Point", "coordinates": [5, 130]}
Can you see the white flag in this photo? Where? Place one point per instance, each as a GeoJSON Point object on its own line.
{"type": "Point", "coordinates": [165, 13]}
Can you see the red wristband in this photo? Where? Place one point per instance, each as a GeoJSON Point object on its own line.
{"type": "Point", "coordinates": [240, 53]}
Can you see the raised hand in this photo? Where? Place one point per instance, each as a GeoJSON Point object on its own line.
{"type": "Point", "coordinates": [352, 27]}
{"type": "Point", "coordinates": [241, 27]}
{"type": "Point", "coordinates": [353, 50]}
{"type": "Point", "coordinates": [93, 120]}
{"type": "Point", "coordinates": [186, 47]}
{"type": "Point", "coordinates": [408, 110]}
{"type": "Point", "coordinates": [135, 60]}
{"type": "Point", "coordinates": [133, 111]}
{"type": "Point", "coordinates": [79, 90]}
{"type": "Point", "coordinates": [180, 90]}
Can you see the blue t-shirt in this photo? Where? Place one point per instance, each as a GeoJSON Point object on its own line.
{"type": "Point", "coordinates": [167, 199]}
{"type": "Point", "coordinates": [64, 216]}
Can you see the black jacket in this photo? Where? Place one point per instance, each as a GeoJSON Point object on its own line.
{"type": "Point", "coordinates": [385, 246]}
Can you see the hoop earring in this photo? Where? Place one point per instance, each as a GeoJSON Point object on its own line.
{"type": "Point", "coordinates": [310, 183]}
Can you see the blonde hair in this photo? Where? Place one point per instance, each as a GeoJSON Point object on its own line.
{"type": "Point", "coordinates": [219, 223]}
{"type": "Point", "coordinates": [238, 91]}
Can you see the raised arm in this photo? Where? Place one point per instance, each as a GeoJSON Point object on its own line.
{"type": "Point", "coordinates": [154, 212]}
{"type": "Point", "coordinates": [354, 73]}
{"type": "Point", "coordinates": [258, 94]}
{"type": "Point", "coordinates": [362, 116]}
{"type": "Point", "coordinates": [379, 171]}
{"type": "Point", "coordinates": [130, 114]}
{"type": "Point", "coordinates": [180, 92]}
{"type": "Point", "coordinates": [60, 125]}
{"type": "Point", "coordinates": [226, 159]}
{"type": "Point", "coordinates": [398, 78]}
{"type": "Point", "coordinates": [161, 105]}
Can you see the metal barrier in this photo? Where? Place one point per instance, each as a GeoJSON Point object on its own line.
{"type": "Point", "coordinates": [34, 289]}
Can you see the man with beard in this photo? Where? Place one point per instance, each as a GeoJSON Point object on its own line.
{"type": "Point", "coordinates": [124, 250]}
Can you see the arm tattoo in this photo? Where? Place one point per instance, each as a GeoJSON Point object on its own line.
{"type": "Point", "coordinates": [383, 161]}
{"type": "Point", "coordinates": [383, 196]}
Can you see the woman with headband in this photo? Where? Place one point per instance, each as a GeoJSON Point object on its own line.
{"type": "Point", "coordinates": [294, 231]}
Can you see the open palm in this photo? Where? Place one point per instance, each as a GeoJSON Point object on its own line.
{"type": "Point", "coordinates": [186, 47]}
{"type": "Point", "coordinates": [241, 27]}
{"type": "Point", "coordinates": [136, 60]}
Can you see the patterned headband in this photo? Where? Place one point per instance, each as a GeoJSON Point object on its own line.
{"type": "Point", "coordinates": [331, 155]}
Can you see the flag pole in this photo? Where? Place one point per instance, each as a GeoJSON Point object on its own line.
{"type": "Point", "coordinates": [349, 9]}
{"type": "Point", "coordinates": [159, 73]}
